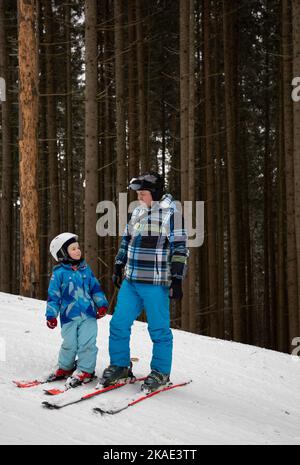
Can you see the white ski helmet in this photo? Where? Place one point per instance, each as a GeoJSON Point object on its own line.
{"type": "Point", "coordinates": [58, 242]}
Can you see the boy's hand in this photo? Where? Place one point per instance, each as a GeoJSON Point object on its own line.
{"type": "Point", "coordinates": [101, 312]}
{"type": "Point", "coordinates": [51, 323]}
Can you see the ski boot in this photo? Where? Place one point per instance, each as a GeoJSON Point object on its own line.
{"type": "Point", "coordinates": [155, 381]}
{"type": "Point", "coordinates": [114, 375]}
{"type": "Point", "coordinates": [79, 377]}
{"type": "Point", "coordinates": [59, 374]}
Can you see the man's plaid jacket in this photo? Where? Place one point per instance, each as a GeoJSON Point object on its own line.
{"type": "Point", "coordinates": [153, 248]}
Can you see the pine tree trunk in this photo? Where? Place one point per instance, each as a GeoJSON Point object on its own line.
{"type": "Point", "coordinates": [210, 176]}
{"type": "Point", "coordinates": [120, 99]}
{"type": "Point", "coordinates": [141, 91]}
{"type": "Point", "coordinates": [246, 236]}
{"type": "Point", "coordinates": [191, 163]}
{"type": "Point", "coordinates": [54, 226]}
{"type": "Point", "coordinates": [269, 272]}
{"type": "Point", "coordinates": [230, 104]}
{"type": "Point", "coordinates": [220, 224]}
{"type": "Point", "coordinates": [91, 136]}
{"type": "Point", "coordinates": [68, 121]}
{"type": "Point", "coordinates": [267, 207]}
{"type": "Point", "coordinates": [7, 167]}
{"type": "Point", "coordinates": [281, 327]}
{"type": "Point", "coordinates": [219, 171]}
{"type": "Point", "coordinates": [184, 133]}
{"type": "Point", "coordinates": [132, 121]}
{"type": "Point", "coordinates": [43, 168]}
{"type": "Point", "coordinates": [109, 172]}
{"type": "Point", "coordinates": [296, 72]}
{"type": "Point", "coordinates": [28, 146]}
{"type": "Point", "coordinates": [289, 173]}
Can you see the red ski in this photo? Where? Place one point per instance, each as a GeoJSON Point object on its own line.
{"type": "Point", "coordinates": [56, 406]}
{"type": "Point", "coordinates": [36, 382]}
{"type": "Point", "coordinates": [140, 398]}
{"type": "Point", "coordinates": [26, 384]}
{"type": "Point", "coordinates": [54, 391]}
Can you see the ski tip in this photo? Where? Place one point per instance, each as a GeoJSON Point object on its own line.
{"type": "Point", "coordinates": [53, 392]}
{"type": "Point", "coordinates": [99, 410]}
{"type": "Point", "coordinates": [26, 384]}
{"type": "Point", "coordinates": [17, 383]}
{"type": "Point", "coordinates": [50, 406]}
{"type": "Point", "coordinates": [107, 412]}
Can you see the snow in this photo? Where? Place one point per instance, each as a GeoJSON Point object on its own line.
{"type": "Point", "coordinates": [239, 395]}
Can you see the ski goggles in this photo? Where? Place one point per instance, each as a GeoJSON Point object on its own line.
{"type": "Point", "coordinates": [142, 182]}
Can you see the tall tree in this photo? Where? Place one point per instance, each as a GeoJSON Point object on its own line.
{"type": "Point", "coordinates": [184, 128]}
{"type": "Point", "coordinates": [291, 261]}
{"type": "Point", "coordinates": [132, 120]}
{"type": "Point", "coordinates": [269, 304]}
{"type": "Point", "coordinates": [281, 326]}
{"type": "Point", "coordinates": [28, 147]}
{"type": "Point", "coordinates": [91, 135]}
{"type": "Point", "coordinates": [120, 97]}
{"type": "Point", "coordinates": [51, 116]}
{"type": "Point", "coordinates": [7, 165]}
{"type": "Point", "coordinates": [191, 160]}
{"type": "Point", "coordinates": [296, 72]}
{"type": "Point", "coordinates": [231, 106]}
{"type": "Point", "coordinates": [142, 114]}
{"type": "Point", "coordinates": [219, 172]}
{"type": "Point", "coordinates": [68, 118]}
{"type": "Point", "coordinates": [43, 163]}
{"type": "Point", "coordinates": [108, 170]}
{"type": "Point", "coordinates": [210, 173]}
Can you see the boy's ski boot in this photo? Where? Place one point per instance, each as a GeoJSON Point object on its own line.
{"type": "Point", "coordinates": [79, 377]}
{"type": "Point", "coordinates": [59, 374]}
{"type": "Point", "coordinates": [155, 381]}
{"type": "Point", "coordinates": [114, 375]}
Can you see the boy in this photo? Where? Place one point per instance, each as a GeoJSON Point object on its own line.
{"type": "Point", "coordinates": [76, 295]}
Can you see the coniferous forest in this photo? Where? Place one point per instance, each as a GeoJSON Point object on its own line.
{"type": "Point", "coordinates": [202, 91]}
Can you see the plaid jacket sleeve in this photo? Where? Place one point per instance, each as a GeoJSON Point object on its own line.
{"type": "Point", "coordinates": [178, 246]}
{"type": "Point", "coordinates": [121, 257]}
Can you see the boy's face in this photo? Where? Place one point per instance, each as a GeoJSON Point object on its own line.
{"type": "Point", "coordinates": [145, 197]}
{"type": "Point", "coordinates": [74, 251]}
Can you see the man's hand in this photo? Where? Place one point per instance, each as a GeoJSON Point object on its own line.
{"type": "Point", "coordinates": [176, 289]}
{"type": "Point", "coordinates": [118, 275]}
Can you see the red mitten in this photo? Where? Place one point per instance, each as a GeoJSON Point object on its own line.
{"type": "Point", "coordinates": [101, 312]}
{"type": "Point", "coordinates": [52, 323]}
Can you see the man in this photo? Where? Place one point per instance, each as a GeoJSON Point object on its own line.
{"type": "Point", "coordinates": [152, 255]}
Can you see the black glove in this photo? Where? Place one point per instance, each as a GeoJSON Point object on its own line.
{"type": "Point", "coordinates": [118, 275]}
{"type": "Point", "coordinates": [176, 289]}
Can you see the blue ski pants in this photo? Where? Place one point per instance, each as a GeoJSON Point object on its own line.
{"type": "Point", "coordinates": [132, 299]}
{"type": "Point", "coordinates": [79, 338]}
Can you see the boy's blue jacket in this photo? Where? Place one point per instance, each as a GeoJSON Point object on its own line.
{"type": "Point", "coordinates": [73, 292]}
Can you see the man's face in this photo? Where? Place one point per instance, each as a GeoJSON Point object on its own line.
{"type": "Point", "coordinates": [145, 197]}
{"type": "Point", "coordinates": [74, 251]}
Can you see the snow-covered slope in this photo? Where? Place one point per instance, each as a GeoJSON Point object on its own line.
{"type": "Point", "coordinates": [240, 394]}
